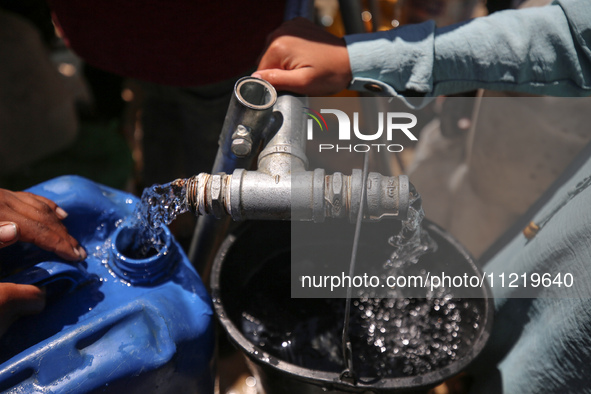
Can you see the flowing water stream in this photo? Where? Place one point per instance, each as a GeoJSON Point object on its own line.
{"type": "Point", "coordinates": [158, 207]}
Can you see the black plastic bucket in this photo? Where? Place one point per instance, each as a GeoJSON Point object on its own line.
{"type": "Point", "coordinates": [251, 280]}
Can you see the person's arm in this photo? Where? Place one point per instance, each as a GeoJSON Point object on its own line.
{"type": "Point", "coordinates": [542, 50]}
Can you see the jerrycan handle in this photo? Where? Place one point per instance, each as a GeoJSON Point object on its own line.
{"type": "Point", "coordinates": [57, 277]}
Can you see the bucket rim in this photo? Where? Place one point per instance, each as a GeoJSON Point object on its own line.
{"type": "Point", "coordinates": [331, 380]}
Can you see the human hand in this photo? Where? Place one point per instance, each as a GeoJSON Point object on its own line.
{"type": "Point", "coordinates": [18, 300]}
{"type": "Point", "coordinates": [31, 218]}
{"type": "Point", "coordinates": [303, 58]}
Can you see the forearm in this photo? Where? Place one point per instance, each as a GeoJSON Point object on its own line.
{"type": "Point", "coordinates": [538, 50]}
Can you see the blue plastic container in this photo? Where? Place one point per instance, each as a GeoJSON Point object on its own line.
{"type": "Point", "coordinates": [111, 324]}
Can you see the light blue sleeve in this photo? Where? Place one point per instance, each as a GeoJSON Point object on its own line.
{"type": "Point", "coordinates": [543, 344]}
{"type": "Point", "coordinates": [543, 50]}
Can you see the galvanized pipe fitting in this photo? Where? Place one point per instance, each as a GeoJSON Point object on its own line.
{"type": "Point", "coordinates": [306, 196]}
{"type": "Point", "coordinates": [285, 152]}
{"type": "Point", "coordinates": [248, 115]}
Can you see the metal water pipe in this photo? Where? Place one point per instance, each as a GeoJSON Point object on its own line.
{"type": "Point", "coordinates": [282, 188]}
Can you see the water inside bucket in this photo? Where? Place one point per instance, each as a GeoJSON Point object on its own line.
{"type": "Point", "coordinates": [296, 342]}
{"type": "Point", "coordinates": [390, 337]}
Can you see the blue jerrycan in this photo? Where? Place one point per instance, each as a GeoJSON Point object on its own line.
{"type": "Point", "coordinates": [112, 323]}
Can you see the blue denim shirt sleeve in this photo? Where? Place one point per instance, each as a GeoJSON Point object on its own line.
{"type": "Point", "coordinates": [543, 50]}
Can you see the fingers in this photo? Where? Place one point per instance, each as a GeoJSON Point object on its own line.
{"type": "Point", "coordinates": [48, 232]}
{"type": "Point", "coordinates": [21, 300]}
{"type": "Point", "coordinates": [43, 204]}
{"type": "Point", "coordinates": [305, 80]}
{"type": "Point", "coordinates": [305, 59]}
{"type": "Point", "coordinates": [54, 239]}
{"type": "Point", "coordinates": [39, 221]}
{"type": "Point", "coordinates": [18, 300]}
{"type": "Point", "coordinates": [292, 80]}
{"type": "Point", "coordinates": [9, 233]}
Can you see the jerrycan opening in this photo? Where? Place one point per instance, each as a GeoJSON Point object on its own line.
{"type": "Point", "coordinates": [140, 264]}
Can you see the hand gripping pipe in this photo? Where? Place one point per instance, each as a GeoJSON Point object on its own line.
{"type": "Point", "coordinates": [282, 189]}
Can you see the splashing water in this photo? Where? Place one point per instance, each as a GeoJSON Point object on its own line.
{"type": "Point", "coordinates": [411, 336]}
{"type": "Point", "coordinates": [412, 241]}
{"type": "Point", "coordinates": [392, 337]}
{"type": "Point", "coordinates": [158, 207]}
